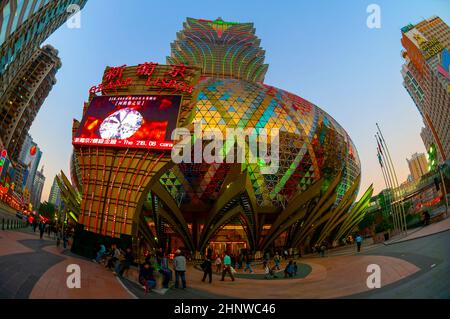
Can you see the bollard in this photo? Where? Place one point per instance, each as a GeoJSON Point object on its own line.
{"type": "Point", "coordinates": [3, 224]}
{"type": "Point", "coordinates": [7, 224]}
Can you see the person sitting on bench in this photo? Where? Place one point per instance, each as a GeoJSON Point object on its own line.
{"type": "Point", "coordinates": [146, 277]}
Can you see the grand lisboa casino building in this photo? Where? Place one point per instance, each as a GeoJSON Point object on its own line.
{"type": "Point", "coordinates": [124, 186]}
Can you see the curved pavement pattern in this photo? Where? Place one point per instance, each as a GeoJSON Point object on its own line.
{"type": "Point", "coordinates": [20, 270]}
{"type": "Point", "coordinates": [39, 271]}
{"type": "Point", "coordinates": [33, 268]}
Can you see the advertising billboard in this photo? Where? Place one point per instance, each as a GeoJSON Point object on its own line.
{"type": "Point", "coordinates": [137, 121]}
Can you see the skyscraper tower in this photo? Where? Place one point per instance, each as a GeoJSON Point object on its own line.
{"type": "Point", "coordinates": [418, 165]}
{"type": "Point", "coordinates": [25, 24]}
{"type": "Point", "coordinates": [38, 186]}
{"type": "Point", "coordinates": [427, 80]}
{"type": "Point", "coordinates": [31, 156]}
{"type": "Point", "coordinates": [55, 194]}
{"type": "Point", "coordinates": [25, 96]}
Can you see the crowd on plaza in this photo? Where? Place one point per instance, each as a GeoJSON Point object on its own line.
{"type": "Point", "coordinates": [55, 231]}
{"type": "Point", "coordinates": [158, 264]}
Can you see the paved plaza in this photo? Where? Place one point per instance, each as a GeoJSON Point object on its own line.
{"type": "Point", "coordinates": [415, 266]}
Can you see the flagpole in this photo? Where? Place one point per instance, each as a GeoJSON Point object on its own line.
{"type": "Point", "coordinates": [397, 189]}
{"type": "Point", "coordinates": [394, 194]}
{"type": "Point", "coordinates": [394, 210]}
{"type": "Point", "coordinates": [390, 184]}
{"type": "Point", "coordinates": [394, 217]}
{"type": "Point", "coordinates": [391, 176]}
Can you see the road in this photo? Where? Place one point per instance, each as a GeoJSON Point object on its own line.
{"type": "Point", "coordinates": [432, 255]}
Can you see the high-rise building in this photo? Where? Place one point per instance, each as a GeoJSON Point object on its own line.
{"type": "Point", "coordinates": [418, 165]}
{"type": "Point", "coordinates": [24, 97]}
{"type": "Point", "coordinates": [24, 26]}
{"type": "Point", "coordinates": [427, 137]}
{"type": "Point", "coordinates": [427, 80]}
{"type": "Point", "coordinates": [30, 155]}
{"type": "Point", "coordinates": [26, 146]}
{"type": "Point", "coordinates": [55, 194]}
{"type": "Point", "coordinates": [38, 186]}
{"type": "Point", "coordinates": [20, 170]}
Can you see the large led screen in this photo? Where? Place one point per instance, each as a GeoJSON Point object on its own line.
{"type": "Point", "coordinates": [140, 121]}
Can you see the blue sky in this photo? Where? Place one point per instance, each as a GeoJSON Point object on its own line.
{"type": "Point", "coordinates": [321, 50]}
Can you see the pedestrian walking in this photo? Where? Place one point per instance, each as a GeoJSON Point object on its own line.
{"type": "Point", "coordinates": [58, 239]}
{"type": "Point", "coordinates": [207, 269]}
{"type": "Point", "coordinates": [227, 267]}
{"type": "Point", "coordinates": [359, 240]}
{"type": "Point", "coordinates": [218, 263]}
{"type": "Point", "coordinates": [322, 250]}
{"type": "Point", "coordinates": [65, 239]}
{"type": "Point", "coordinates": [240, 261]}
{"type": "Point", "coordinates": [41, 230]}
{"type": "Point", "coordinates": [48, 228]}
{"type": "Point", "coordinates": [426, 218]}
{"type": "Point", "coordinates": [289, 270]}
{"type": "Point", "coordinates": [179, 264]}
{"type": "Point", "coordinates": [276, 260]}
{"type": "Point", "coordinates": [248, 263]}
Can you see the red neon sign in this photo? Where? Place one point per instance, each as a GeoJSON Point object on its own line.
{"type": "Point", "coordinates": [114, 79]}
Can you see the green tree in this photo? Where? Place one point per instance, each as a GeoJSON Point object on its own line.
{"type": "Point", "coordinates": [385, 225]}
{"type": "Point", "coordinates": [367, 221]}
{"type": "Point", "coordinates": [47, 210]}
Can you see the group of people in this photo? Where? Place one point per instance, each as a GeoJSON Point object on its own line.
{"type": "Point", "coordinates": [226, 265]}
{"type": "Point", "coordinates": [120, 261]}
{"type": "Point", "coordinates": [270, 271]}
{"type": "Point", "coordinates": [235, 262]}
{"type": "Point", "coordinates": [59, 234]}
{"type": "Point", "coordinates": [115, 259]}
{"type": "Point", "coordinates": [160, 263]}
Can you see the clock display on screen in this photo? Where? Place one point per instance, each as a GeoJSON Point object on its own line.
{"type": "Point", "coordinates": [121, 124]}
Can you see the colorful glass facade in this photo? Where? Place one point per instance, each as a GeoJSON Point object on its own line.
{"type": "Point", "coordinates": [311, 141]}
